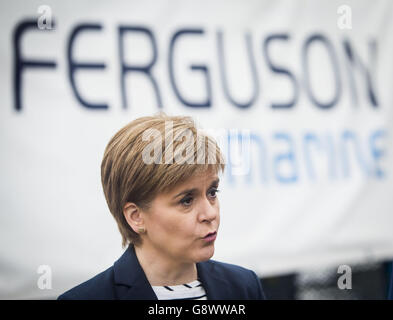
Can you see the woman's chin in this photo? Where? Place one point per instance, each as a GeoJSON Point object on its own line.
{"type": "Point", "coordinates": [205, 253]}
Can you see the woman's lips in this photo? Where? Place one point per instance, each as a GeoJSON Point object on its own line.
{"type": "Point", "coordinates": [210, 237]}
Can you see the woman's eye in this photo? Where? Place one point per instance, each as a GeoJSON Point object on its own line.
{"type": "Point", "coordinates": [213, 193]}
{"type": "Point", "coordinates": [186, 201]}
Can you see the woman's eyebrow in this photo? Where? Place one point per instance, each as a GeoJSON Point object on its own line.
{"type": "Point", "coordinates": [188, 191]}
{"type": "Point", "coordinates": [215, 182]}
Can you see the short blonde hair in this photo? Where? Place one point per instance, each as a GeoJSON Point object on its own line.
{"type": "Point", "coordinates": [126, 177]}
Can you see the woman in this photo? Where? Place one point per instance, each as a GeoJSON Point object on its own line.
{"type": "Point", "coordinates": [160, 179]}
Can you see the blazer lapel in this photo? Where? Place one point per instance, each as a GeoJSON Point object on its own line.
{"type": "Point", "coordinates": [215, 286]}
{"type": "Point", "coordinates": [130, 280]}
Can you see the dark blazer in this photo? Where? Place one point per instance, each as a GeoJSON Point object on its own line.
{"type": "Point", "coordinates": [127, 280]}
{"type": "Point", "coordinates": [390, 290]}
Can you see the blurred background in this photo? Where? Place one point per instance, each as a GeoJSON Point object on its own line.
{"type": "Point", "coordinates": [297, 93]}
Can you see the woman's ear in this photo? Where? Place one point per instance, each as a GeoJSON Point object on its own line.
{"type": "Point", "coordinates": [133, 216]}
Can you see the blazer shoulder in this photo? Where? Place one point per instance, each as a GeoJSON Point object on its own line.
{"type": "Point", "coordinates": [100, 287]}
{"type": "Point", "coordinates": [232, 269]}
{"type": "Point", "coordinates": [240, 277]}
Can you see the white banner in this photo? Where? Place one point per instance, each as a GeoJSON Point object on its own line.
{"type": "Point", "coordinates": [308, 83]}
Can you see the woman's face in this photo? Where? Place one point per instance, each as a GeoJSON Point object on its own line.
{"type": "Point", "coordinates": [178, 221]}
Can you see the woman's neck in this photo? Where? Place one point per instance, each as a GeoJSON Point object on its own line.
{"type": "Point", "coordinates": [161, 271]}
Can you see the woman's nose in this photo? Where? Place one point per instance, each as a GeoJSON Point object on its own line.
{"type": "Point", "coordinates": [208, 211]}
